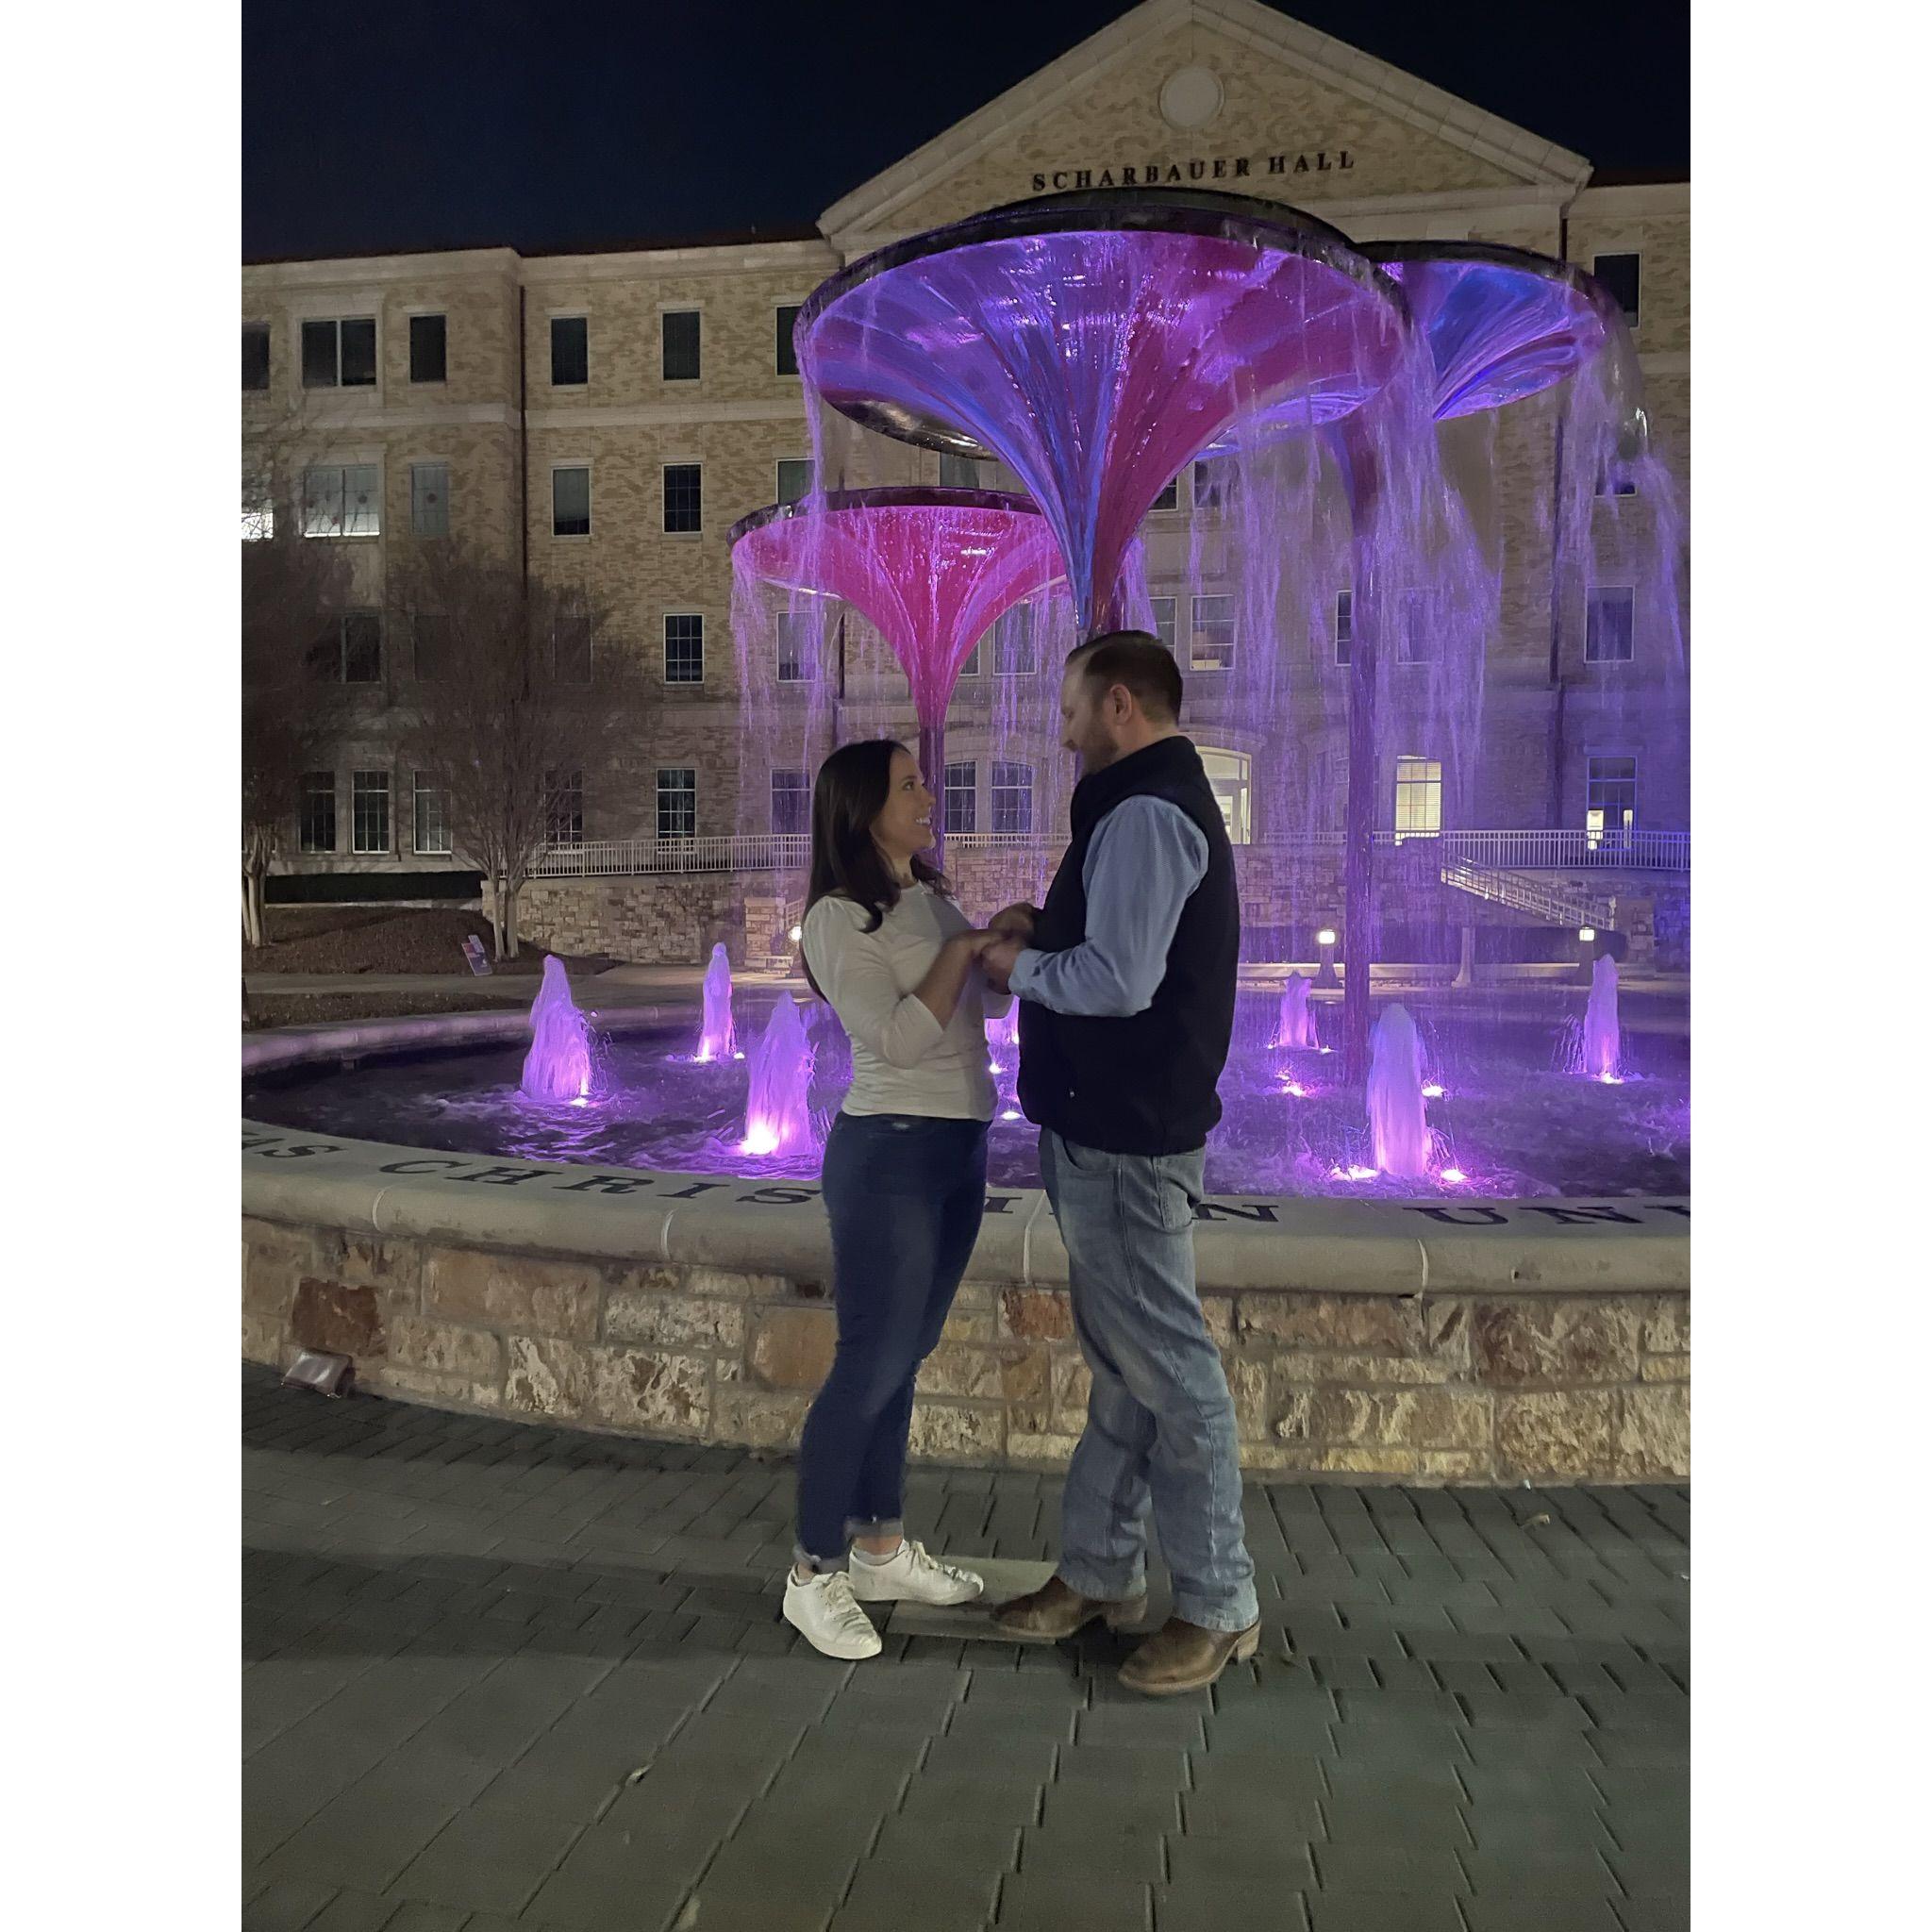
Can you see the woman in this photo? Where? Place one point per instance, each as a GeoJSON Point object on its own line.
{"type": "Point", "coordinates": [905, 1180]}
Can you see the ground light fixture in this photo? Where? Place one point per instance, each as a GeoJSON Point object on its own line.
{"type": "Point", "coordinates": [1325, 975]}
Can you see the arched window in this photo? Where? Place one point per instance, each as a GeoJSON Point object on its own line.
{"type": "Point", "coordinates": [1228, 772]}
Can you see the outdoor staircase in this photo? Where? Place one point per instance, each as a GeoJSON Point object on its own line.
{"type": "Point", "coordinates": [1521, 894]}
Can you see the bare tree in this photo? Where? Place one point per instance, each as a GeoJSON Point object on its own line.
{"type": "Point", "coordinates": [520, 701]}
{"type": "Point", "coordinates": [290, 587]}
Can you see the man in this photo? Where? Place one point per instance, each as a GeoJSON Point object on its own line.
{"type": "Point", "coordinates": [1127, 983]}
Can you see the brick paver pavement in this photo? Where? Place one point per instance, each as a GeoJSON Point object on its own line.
{"type": "Point", "coordinates": [501, 1676]}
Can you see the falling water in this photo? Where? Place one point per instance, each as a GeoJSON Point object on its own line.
{"type": "Point", "coordinates": [717, 1041]}
{"type": "Point", "coordinates": [777, 1112]}
{"type": "Point", "coordinates": [557, 1067]}
{"type": "Point", "coordinates": [1296, 1025]}
{"type": "Point", "coordinates": [1602, 1043]}
{"type": "Point", "coordinates": [1398, 1123]}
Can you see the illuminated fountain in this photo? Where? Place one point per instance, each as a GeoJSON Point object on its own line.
{"type": "Point", "coordinates": [1295, 1026]}
{"type": "Point", "coordinates": [1601, 1039]}
{"type": "Point", "coordinates": [1096, 344]}
{"type": "Point", "coordinates": [778, 1108]}
{"type": "Point", "coordinates": [1398, 1121]}
{"type": "Point", "coordinates": [930, 569]}
{"type": "Point", "coordinates": [717, 1036]}
{"type": "Point", "coordinates": [557, 1067]}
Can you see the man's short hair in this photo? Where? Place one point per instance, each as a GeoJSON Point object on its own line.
{"type": "Point", "coordinates": [1139, 660]}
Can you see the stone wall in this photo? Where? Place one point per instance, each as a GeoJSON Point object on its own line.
{"type": "Point", "coordinates": [1473, 1387]}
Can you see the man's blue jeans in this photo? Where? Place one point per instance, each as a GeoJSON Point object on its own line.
{"type": "Point", "coordinates": [905, 1194]}
{"type": "Point", "coordinates": [1160, 1423]}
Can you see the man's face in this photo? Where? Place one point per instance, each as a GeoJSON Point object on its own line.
{"type": "Point", "coordinates": [1086, 728]}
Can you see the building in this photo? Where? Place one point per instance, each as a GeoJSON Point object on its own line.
{"type": "Point", "coordinates": [609, 416]}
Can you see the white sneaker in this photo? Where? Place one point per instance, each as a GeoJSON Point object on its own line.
{"type": "Point", "coordinates": [831, 1621]}
{"type": "Point", "coordinates": [909, 1575]}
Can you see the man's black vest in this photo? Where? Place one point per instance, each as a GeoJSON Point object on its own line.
{"type": "Point", "coordinates": [1143, 1084]}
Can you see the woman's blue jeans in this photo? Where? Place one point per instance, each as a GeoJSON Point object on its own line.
{"type": "Point", "coordinates": [905, 1194]}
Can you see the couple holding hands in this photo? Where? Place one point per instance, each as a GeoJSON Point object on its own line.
{"type": "Point", "coordinates": [1127, 984]}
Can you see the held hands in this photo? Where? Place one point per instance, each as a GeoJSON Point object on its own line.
{"type": "Point", "coordinates": [1014, 922]}
{"type": "Point", "coordinates": [998, 961]}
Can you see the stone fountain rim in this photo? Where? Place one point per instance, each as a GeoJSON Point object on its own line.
{"type": "Point", "coordinates": [1245, 1243]}
{"type": "Point", "coordinates": [1261, 223]}
{"type": "Point", "coordinates": [886, 496]}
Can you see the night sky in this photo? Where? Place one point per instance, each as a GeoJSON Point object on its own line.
{"type": "Point", "coordinates": [558, 127]}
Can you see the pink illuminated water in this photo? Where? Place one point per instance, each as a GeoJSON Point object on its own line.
{"type": "Point", "coordinates": [1601, 1040]}
{"type": "Point", "coordinates": [1398, 1121]}
{"type": "Point", "coordinates": [717, 1038]}
{"type": "Point", "coordinates": [777, 1112]}
{"type": "Point", "coordinates": [1097, 362]}
{"type": "Point", "coordinates": [557, 1067]}
{"type": "Point", "coordinates": [1295, 1027]}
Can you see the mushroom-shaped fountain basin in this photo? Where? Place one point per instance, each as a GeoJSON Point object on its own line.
{"type": "Point", "coordinates": [930, 569]}
{"type": "Point", "coordinates": [1096, 343]}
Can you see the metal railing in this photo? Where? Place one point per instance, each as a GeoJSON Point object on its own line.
{"type": "Point", "coordinates": [1516, 851]}
{"type": "Point", "coordinates": [1533, 897]}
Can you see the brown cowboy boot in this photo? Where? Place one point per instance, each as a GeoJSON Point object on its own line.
{"type": "Point", "coordinates": [1056, 1610]}
{"type": "Point", "coordinates": [1183, 1657]}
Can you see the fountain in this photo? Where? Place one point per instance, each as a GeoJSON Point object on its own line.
{"type": "Point", "coordinates": [1003, 1041]}
{"type": "Point", "coordinates": [777, 1111]}
{"type": "Point", "coordinates": [1602, 1042]}
{"type": "Point", "coordinates": [717, 1038]}
{"type": "Point", "coordinates": [1398, 1121]}
{"type": "Point", "coordinates": [1295, 1026]}
{"type": "Point", "coordinates": [557, 1067]}
{"type": "Point", "coordinates": [1096, 344]}
{"type": "Point", "coordinates": [930, 569]}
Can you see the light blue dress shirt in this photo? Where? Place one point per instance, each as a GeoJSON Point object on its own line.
{"type": "Point", "coordinates": [1145, 856]}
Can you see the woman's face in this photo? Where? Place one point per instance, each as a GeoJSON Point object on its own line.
{"type": "Point", "coordinates": [904, 825]}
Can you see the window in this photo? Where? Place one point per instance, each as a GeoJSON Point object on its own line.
{"type": "Point", "coordinates": [1212, 483]}
{"type": "Point", "coordinates": [684, 498]}
{"type": "Point", "coordinates": [1164, 619]}
{"type": "Point", "coordinates": [795, 478]}
{"type": "Point", "coordinates": [1415, 637]}
{"type": "Point", "coordinates": [570, 502]}
{"type": "Point", "coordinates": [681, 329]}
{"type": "Point", "coordinates": [570, 350]}
{"type": "Point", "coordinates": [957, 473]}
{"type": "Point", "coordinates": [1612, 479]}
{"type": "Point", "coordinates": [790, 804]}
{"type": "Point", "coordinates": [563, 806]}
{"type": "Point", "coordinates": [959, 805]}
{"type": "Point", "coordinates": [677, 802]}
{"type": "Point", "coordinates": [797, 646]}
{"type": "Point", "coordinates": [1418, 798]}
{"type": "Point", "coordinates": [429, 499]}
{"type": "Point", "coordinates": [349, 651]}
{"type": "Point", "coordinates": [339, 355]}
{"type": "Point", "coordinates": [369, 815]}
{"type": "Point", "coordinates": [432, 815]}
{"type": "Point", "coordinates": [1213, 634]}
{"type": "Point", "coordinates": [1011, 797]}
{"type": "Point", "coordinates": [974, 665]}
{"type": "Point", "coordinates": [1015, 648]}
{"type": "Point", "coordinates": [428, 348]}
{"type": "Point", "coordinates": [684, 648]}
{"type": "Point", "coordinates": [318, 811]}
{"type": "Point", "coordinates": [430, 638]}
{"type": "Point", "coordinates": [1610, 802]}
{"type": "Point", "coordinates": [1228, 774]}
{"type": "Point", "coordinates": [1619, 275]}
{"type": "Point", "coordinates": [342, 500]}
{"type": "Point", "coordinates": [257, 515]}
{"type": "Point", "coordinates": [1169, 498]}
{"type": "Point", "coordinates": [254, 354]}
{"type": "Point", "coordinates": [786, 319]}
{"type": "Point", "coordinates": [1609, 625]}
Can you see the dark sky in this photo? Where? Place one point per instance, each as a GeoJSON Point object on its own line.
{"type": "Point", "coordinates": [556, 125]}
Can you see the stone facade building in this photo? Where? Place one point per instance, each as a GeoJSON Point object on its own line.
{"type": "Point", "coordinates": [606, 417]}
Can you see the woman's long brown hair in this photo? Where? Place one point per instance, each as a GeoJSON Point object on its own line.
{"type": "Point", "coordinates": [850, 791]}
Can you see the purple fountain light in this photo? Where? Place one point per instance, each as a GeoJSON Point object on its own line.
{"type": "Point", "coordinates": [717, 1038]}
{"type": "Point", "coordinates": [777, 1110]}
{"type": "Point", "coordinates": [557, 1067]}
{"type": "Point", "coordinates": [1398, 1121]}
{"type": "Point", "coordinates": [1295, 1026]}
{"type": "Point", "coordinates": [930, 569]}
{"type": "Point", "coordinates": [1096, 344]}
{"type": "Point", "coordinates": [1602, 1036]}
